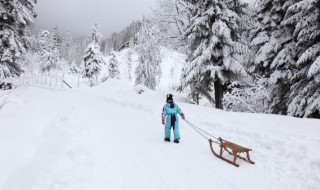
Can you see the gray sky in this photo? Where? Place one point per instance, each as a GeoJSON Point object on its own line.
{"type": "Point", "coordinates": [79, 15]}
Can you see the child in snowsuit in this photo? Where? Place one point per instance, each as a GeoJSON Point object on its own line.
{"type": "Point", "coordinates": [169, 113]}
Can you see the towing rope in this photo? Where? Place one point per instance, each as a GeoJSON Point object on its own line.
{"type": "Point", "coordinates": [202, 132]}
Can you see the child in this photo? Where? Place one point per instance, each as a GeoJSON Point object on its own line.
{"type": "Point", "coordinates": [170, 119]}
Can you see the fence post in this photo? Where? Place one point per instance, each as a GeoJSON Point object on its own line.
{"type": "Point", "coordinates": [33, 79]}
{"type": "Point", "coordinates": [50, 78]}
{"type": "Point", "coordinates": [79, 80]}
{"type": "Point", "coordinates": [56, 79]}
{"type": "Point", "coordinates": [62, 80]}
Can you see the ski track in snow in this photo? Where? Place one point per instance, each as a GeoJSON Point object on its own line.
{"type": "Point", "coordinates": [100, 140]}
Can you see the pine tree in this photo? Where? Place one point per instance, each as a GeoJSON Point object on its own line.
{"type": "Point", "coordinates": [79, 48]}
{"type": "Point", "coordinates": [96, 36]}
{"type": "Point", "coordinates": [28, 60]}
{"type": "Point", "coordinates": [148, 71]}
{"type": "Point", "coordinates": [145, 72]}
{"type": "Point", "coordinates": [274, 49]}
{"type": "Point", "coordinates": [74, 68]}
{"type": "Point", "coordinates": [93, 58]}
{"type": "Point", "coordinates": [304, 99]}
{"type": "Point", "coordinates": [67, 47]}
{"type": "Point", "coordinates": [113, 66]}
{"type": "Point", "coordinates": [215, 46]}
{"type": "Point", "coordinates": [129, 57]}
{"type": "Point", "coordinates": [126, 35]}
{"type": "Point", "coordinates": [49, 55]}
{"type": "Point", "coordinates": [57, 39]}
{"type": "Point", "coordinates": [15, 18]}
{"type": "Point", "coordinates": [92, 61]}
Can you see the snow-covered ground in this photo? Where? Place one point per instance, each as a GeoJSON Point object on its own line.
{"type": "Point", "coordinates": [110, 137]}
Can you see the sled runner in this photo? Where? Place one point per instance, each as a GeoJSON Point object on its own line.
{"type": "Point", "coordinates": [233, 149]}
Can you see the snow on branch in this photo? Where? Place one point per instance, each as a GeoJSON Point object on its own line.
{"type": "Point", "coordinates": [315, 68]}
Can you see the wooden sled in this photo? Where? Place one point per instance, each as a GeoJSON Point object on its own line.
{"type": "Point", "coordinates": [232, 149]}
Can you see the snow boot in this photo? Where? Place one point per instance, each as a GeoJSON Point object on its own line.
{"type": "Point", "coordinates": [176, 141]}
{"type": "Point", "coordinates": [167, 139]}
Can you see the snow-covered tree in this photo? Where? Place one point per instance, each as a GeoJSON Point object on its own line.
{"type": "Point", "coordinates": [28, 60]}
{"type": "Point", "coordinates": [128, 34]}
{"type": "Point", "coordinates": [15, 18]}
{"type": "Point", "coordinates": [148, 71]}
{"type": "Point", "coordinates": [57, 40]}
{"type": "Point", "coordinates": [93, 58]}
{"type": "Point", "coordinates": [171, 17]}
{"type": "Point", "coordinates": [49, 55]}
{"type": "Point", "coordinates": [67, 47]}
{"type": "Point", "coordinates": [79, 46]}
{"type": "Point", "coordinates": [253, 98]}
{"type": "Point", "coordinates": [274, 49]}
{"type": "Point", "coordinates": [95, 36]}
{"type": "Point", "coordinates": [74, 69]}
{"type": "Point", "coordinates": [304, 99]}
{"type": "Point", "coordinates": [215, 46]}
{"type": "Point", "coordinates": [113, 66]}
{"type": "Point", "coordinates": [129, 63]}
{"type": "Point", "coordinates": [91, 63]}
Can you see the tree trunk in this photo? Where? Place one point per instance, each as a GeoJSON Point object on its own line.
{"type": "Point", "coordinates": [218, 92]}
{"type": "Point", "coordinates": [197, 98]}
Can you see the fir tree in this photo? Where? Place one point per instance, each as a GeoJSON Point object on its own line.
{"type": "Point", "coordinates": [304, 99]}
{"type": "Point", "coordinates": [148, 71]}
{"type": "Point", "coordinates": [57, 39]}
{"type": "Point", "coordinates": [92, 61]}
{"type": "Point", "coordinates": [129, 57]}
{"type": "Point", "coordinates": [274, 49]}
{"type": "Point", "coordinates": [74, 68]}
{"type": "Point", "coordinates": [67, 47]}
{"type": "Point", "coordinates": [95, 36]}
{"type": "Point", "coordinates": [93, 58]}
{"type": "Point", "coordinates": [215, 46]}
{"type": "Point", "coordinates": [49, 55]}
{"type": "Point", "coordinates": [78, 53]}
{"type": "Point", "coordinates": [145, 72]}
{"type": "Point", "coordinates": [113, 66]}
{"type": "Point", "coordinates": [15, 18]}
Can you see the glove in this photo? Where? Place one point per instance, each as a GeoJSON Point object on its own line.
{"type": "Point", "coordinates": [163, 121]}
{"type": "Point", "coordinates": [183, 117]}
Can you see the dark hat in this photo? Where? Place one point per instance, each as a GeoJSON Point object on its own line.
{"type": "Point", "coordinates": [169, 97]}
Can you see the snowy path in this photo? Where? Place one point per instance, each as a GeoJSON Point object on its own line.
{"type": "Point", "coordinates": [113, 139]}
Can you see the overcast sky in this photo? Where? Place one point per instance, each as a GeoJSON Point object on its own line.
{"type": "Point", "coordinates": [79, 15]}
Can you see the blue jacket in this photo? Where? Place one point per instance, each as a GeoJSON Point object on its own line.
{"type": "Point", "coordinates": [167, 111]}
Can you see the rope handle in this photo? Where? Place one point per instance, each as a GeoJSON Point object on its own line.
{"type": "Point", "coordinates": [202, 132]}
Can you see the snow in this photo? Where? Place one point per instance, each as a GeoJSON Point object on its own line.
{"type": "Point", "coordinates": [315, 68]}
{"type": "Point", "coordinates": [110, 137]}
{"type": "Point", "coordinates": [171, 67]}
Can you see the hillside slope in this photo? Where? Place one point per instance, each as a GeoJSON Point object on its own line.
{"type": "Point", "coordinates": [109, 137]}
